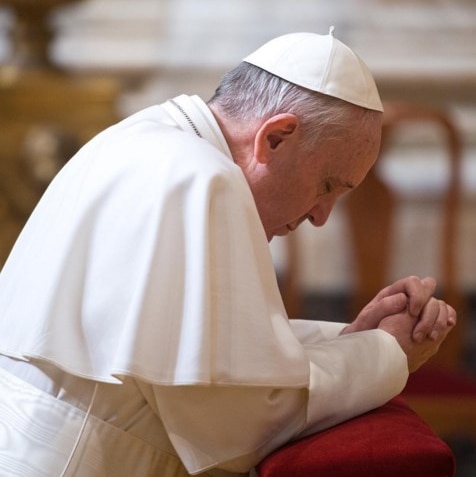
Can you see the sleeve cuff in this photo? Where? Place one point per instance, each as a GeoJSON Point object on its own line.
{"type": "Point", "coordinates": [351, 375]}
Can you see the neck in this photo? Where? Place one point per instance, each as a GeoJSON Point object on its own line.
{"type": "Point", "coordinates": [239, 136]}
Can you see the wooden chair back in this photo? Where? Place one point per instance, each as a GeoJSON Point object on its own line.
{"type": "Point", "coordinates": [371, 211]}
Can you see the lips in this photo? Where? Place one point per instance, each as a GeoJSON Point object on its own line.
{"type": "Point", "coordinates": [282, 231]}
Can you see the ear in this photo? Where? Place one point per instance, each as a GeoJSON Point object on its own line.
{"type": "Point", "coordinates": [275, 136]}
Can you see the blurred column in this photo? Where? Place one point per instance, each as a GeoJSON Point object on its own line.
{"type": "Point", "coordinates": [45, 113]}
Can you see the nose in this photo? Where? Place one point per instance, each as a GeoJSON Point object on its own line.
{"type": "Point", "coordinates": [318, 215]}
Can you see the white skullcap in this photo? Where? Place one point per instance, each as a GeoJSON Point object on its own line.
{"type": "Point", "coordinates": [320, 63]}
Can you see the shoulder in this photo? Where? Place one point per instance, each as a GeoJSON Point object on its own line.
{"type": "Point", "coordinates": [150, 144]}
{"type": "Point", "coordinates": [146, 162]}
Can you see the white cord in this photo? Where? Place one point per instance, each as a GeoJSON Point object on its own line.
{"type": "Point", "coordinates": [81, 431]}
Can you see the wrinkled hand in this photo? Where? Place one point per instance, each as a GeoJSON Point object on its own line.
{"type": "Point", "coordinates": [408, 311]}
{"type": "Point", "coordinates": [402, 327]}
{"type": "Point", "coordinates": [410, 294]}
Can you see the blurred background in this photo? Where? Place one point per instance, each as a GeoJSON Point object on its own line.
{"type": "Point", "coordinates": [70, 68]}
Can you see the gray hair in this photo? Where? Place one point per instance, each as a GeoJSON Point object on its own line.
{"type": "Point", "coordinates": [249, 93]}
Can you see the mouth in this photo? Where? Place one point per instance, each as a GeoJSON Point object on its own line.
{"type": "Point", "coordinates": [285, 229]}
{"type": "Point", "coordinates": [293, 227]}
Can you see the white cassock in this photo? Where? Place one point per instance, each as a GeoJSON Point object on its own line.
{"type": "Point", "coordinates": [141, 326]}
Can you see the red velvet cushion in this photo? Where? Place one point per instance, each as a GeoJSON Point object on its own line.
{"type": "Point", "coordinates": [392, 441]}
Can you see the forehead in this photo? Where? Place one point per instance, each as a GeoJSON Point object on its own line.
{"type": "Point", "coordinates": [348, 159]}
{"type": "Point", "coordinates": [347, 165]}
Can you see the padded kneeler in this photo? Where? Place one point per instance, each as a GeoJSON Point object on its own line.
{"type": "Point", "coordinates": [391, 441]}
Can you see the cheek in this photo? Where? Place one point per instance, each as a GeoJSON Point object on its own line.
{"type": "Point", "coordinates": [299, 201]}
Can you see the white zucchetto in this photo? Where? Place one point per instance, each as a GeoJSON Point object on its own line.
{"type": "Point", "coordinates": [320, 63]}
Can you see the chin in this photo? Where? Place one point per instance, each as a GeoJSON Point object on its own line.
{"type": "Point", "coordinates": [280, 232]}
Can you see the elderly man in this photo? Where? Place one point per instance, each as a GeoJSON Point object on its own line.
{"type": "Point", "coordinates": [142, 332]}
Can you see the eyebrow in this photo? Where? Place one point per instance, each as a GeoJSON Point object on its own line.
{"type": "Point", "coordinates": [348, 185]}
{"type": "Point", "coordinates": [338, 183]}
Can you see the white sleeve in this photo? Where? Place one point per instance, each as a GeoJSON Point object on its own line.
{"type": "Point", "coordinates": [234, 427]}
{"type": "Point", "coordinates": [313, 332]}
{"type": "Point", "coordinates": [351, 375]}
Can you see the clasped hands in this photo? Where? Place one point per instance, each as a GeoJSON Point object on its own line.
{"type": "Point", "coordinates": [408, 310]}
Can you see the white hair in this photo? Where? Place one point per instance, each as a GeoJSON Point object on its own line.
{"type": "Point", "coordinates": [249, 93]}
